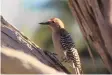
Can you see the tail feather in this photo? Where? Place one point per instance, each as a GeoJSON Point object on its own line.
{"type": "Point", "coordinates": [77, 69]}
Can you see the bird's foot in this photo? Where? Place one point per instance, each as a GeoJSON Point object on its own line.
{"type": "Point", "coordinates": [65, 59]}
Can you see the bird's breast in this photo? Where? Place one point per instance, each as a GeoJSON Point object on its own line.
{"type": "Point", "coordinates": [57, 45]}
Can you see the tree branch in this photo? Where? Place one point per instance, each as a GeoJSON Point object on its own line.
{"type": "Point", "coordinates": [93, 17]}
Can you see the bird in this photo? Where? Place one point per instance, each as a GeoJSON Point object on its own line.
{"type": "Point", "coordinates": [64, 44]}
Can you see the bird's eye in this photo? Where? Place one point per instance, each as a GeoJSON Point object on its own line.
{"type": "Point", "coordinates": [53, 22]}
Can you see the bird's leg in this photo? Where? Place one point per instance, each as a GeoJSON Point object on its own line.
{"type": "Point", "coordinates": [65, 58]}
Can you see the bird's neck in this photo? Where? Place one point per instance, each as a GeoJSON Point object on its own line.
{"type": "Point", "coordinates": [57, 30]}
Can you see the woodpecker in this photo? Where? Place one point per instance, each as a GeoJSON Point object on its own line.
{"type": "Point", "coordinates": [64, 44]}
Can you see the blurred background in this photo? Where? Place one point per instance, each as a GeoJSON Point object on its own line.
{"type": "Point", "coordinates": [26, 14]}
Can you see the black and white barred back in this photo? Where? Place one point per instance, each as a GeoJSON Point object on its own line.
{"type": "Point", "coordinates": [69, 47]}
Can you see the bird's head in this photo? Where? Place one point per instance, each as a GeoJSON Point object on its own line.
{"type": "Point", "coordinates": [55, 24]}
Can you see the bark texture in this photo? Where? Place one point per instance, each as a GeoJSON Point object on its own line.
{"type": "Point", "coordinates": [95, 21]}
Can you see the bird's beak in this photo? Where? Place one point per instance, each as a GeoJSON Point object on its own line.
{"type": "Point", "coordinates": [44, 23]}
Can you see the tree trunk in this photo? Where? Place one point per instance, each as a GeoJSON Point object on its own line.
{"type": "Point", "coordinates": [20, 55]}
{"type": "Point", "coordinates": [95, 21]}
